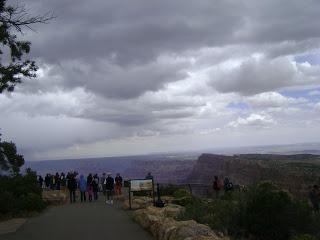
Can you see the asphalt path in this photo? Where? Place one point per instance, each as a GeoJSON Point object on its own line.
{"type": "Point", "coordinates": [81, 221]}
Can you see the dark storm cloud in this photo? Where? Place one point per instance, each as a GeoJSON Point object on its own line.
{"type": "Point", "coordinates": [134, 31]}
{"type": "Point", "coordinates": [108, 80]}
{"type": "Point", "coordinates": [140, 30]}
{"type": "Point", "coordinates": [112, 48]}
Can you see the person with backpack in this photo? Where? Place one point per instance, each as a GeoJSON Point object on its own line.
{"type": "Point", "coordinates": [227, 185]}
{"type": "Point", "coordinates": [118, 187]}
{"type": "Point", "coordinates": [109, 182]}
{"type": "Point", "coordinates": [216, 186]}
{"type": "Point", "coordinates": [82, 188]}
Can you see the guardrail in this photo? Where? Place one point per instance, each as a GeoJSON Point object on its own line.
{"type": "Point", "coordinates": [196, 189]}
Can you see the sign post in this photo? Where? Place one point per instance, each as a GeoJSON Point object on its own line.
{"type": "Point", "coordinates": [138, 185]}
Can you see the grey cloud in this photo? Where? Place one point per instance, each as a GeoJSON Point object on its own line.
{"type": "Point", "coordinates": [133, 31]}
{"type": "Point", "coordinates": [109, 80]}
{"type": "Point", "coordinates": [140, 30]}
{"type": "Point", "coordinates": [174, 114]}
{"type": "Point", "coordinates": [291, 47]}
{"type": "Point", "coordinates": [255, 76]}
{"type": "Point", "coordinates": [112, 47]}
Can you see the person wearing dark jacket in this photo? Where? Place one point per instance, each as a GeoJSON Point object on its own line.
{"type": "Point", "coordinates": [40, 181]}
{"type": "Point", "coordinates": [109, 182]}
{"type": "Point", "coordinates": [216, 186]}
{"type": "Point", "coordinates": [47, 181]}
{"type": "Point", "coordinates": [72, 186]}
{"type": "Point", "coordinates": [90, 187]}
{"type": "Point", "coordinates": [57, 181]}
{"type": "Point", "coordinates": [95, 186]}
{"type": "Point", "coordinates": [118, 186]}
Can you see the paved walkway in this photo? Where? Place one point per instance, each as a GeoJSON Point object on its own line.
{"type": "Point", "coordinates": [88, 221]}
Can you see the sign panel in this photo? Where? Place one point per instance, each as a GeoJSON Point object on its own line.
{"type": "Point", "coordinates": [141, 185]}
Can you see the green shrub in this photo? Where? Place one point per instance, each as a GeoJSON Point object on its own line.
{"type": "Point", "coordinates": [184, 201]}
{"type": "Point", "coordinates": [304, 237]}
{"type": "Point", "coordinates": [180, 193]}
{"type": "Point", "coordinates": [314, 228]}
{"type": "Point", "coordinates": [7, 202]}
{"type": "Point", "coordinates": [32, 202]}
{"type": "Point", "coordinates": [219, 214]}
{"type": "Point", "coordinates": [196, 210]}
{"type": "Point", "coordinates": [264, 212]}
{"type": "Point", "coordinates": [20, 194]}
{"type": "Point", "coordinates": [168, 190]}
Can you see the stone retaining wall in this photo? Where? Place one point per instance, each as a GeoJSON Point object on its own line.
{"type": "Point", "coordinates": [162, 223]}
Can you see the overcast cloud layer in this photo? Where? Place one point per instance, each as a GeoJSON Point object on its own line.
{"type": "Point", "coordinates": [126, 77]}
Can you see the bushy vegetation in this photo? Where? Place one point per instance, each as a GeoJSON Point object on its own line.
{"type": "Point", "coordinates": [304, 237]}
{"type": "Point", "coordinates": [20, 194]}
{"type": "Point", "coordinates": [168, 190]}
{"type": "Point", "coordinates": [263, 212]}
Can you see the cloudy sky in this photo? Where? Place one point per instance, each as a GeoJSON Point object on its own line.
{"type": "Point", "coordinates": [127, 77]}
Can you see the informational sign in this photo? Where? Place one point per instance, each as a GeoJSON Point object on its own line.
{"type": "Point", "coordinates": [137, 185]}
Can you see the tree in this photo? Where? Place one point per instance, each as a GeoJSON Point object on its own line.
{"type": "Point", "coordinates": [9, 159]}
{"type": "Point", "coordinates": [12, 21]}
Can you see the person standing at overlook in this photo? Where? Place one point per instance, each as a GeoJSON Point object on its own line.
{"type": "Point", "coordinates": [90, 187]}
{"type": "Point", "coordinates": [72, 186]}
{"type": "Point", "coordinates": [149, 176]}
{"type": "Point", "coordinates": [109, 182]}
{"type": "Point", "coordinates": [47, 181]}
{"type": "Point", "coordinates": [62, 181]}
{"type": "Point", "coordinates": [103, 186]}
{"type": "Point", "coordinates": [118, 187]}
{"type": "Point", "coordinates": [57, 181]}
{"type": "Point", "coordinates": [82, 188]}
{"type": "Point", "coordinates": [216, 186]}
{"type": "Point", "coordinates": [40, 181]}
{"type": "Point", "coordinates": [95, 186]}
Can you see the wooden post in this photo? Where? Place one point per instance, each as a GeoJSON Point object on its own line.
{"type": "Point", "coordinates": [190, 188]}
{"type": "Point", "coordinates": [130, 195]}
{"type": "Point", "coordinates": [154, 201]}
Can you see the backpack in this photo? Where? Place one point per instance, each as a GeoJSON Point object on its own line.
{"type": "Point", "coordinates": [230, 186]}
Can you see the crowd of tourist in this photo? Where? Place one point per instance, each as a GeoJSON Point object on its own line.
{"type": "Point", "coordinates": [88, 187]}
